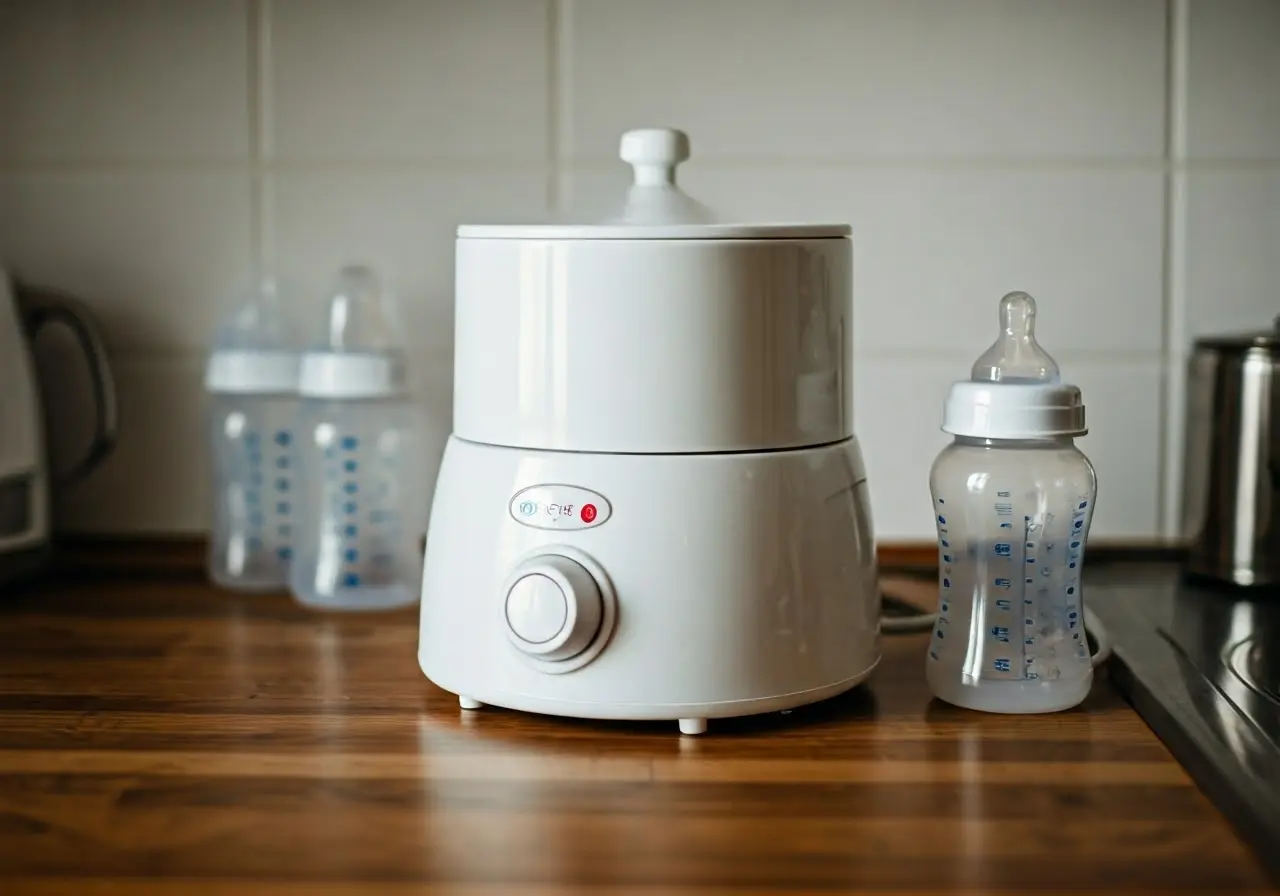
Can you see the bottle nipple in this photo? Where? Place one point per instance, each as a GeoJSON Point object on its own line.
{"type": "Point", "coordinates": [259, 322]}
{"type": "Point", "coordinates": [359, 316]}
{"type": "Point", "coordinates": [1015, 356]}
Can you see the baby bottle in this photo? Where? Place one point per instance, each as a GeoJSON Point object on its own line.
{"type": "Point", "coordinates": [1012, 497]}
{"type": "Point", "coordinates": [360, 518]}
{"type": "Point", "coordinates": [252, 381]}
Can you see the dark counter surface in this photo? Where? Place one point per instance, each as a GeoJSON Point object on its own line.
{"type": "Point", "coordinates": [163, 737]}
{"type": "Point", "coordinates": [1201, 664]}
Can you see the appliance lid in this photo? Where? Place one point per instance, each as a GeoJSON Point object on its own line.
{"type": "Point", "coordinates": [655, 207]}
{"type": "Point", "coordinates": [1240, 342]}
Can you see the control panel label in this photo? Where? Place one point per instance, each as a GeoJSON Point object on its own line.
{"type": "Point", "coordinates": [561, 507]}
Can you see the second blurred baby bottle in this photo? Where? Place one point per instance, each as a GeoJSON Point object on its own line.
{"type": "Point", "coordinates": [252, 381]}
{"type": "Point", "coordinates": [360, 520]}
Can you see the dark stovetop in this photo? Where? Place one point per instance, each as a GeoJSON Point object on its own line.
{"type": "Point", "coordinates": [1201, 664]}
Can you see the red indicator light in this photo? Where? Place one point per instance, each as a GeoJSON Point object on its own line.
{"type": "Point", "coordinates": [588, 513]}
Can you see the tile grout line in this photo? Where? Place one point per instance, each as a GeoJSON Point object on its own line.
{"type": "Point", "coordinates": [849, 164]}
{"type": "Point", "coordinates": [560, 126]}
{"type": "Point", "coordinates": [1170, 461]}
{"type": "Point", "coordinates": [553, 103]}
{"type": "Point", "coordinates": [264, 142]}
{"type": "Point", "coordinates": [253, 17]}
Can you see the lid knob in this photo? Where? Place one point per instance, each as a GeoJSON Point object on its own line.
{"type": "Point", "coordinates": [654, 153]}
{"type": "Point", "coordinates": [1015, 356]}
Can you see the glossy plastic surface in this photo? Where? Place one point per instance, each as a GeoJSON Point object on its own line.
{"type": "Point", "coordinates": [744, 583]}
{"type": "Point", "coordinates": [1014, 390]}
{"type": "Point", "coordinates": [359, 354]}
{"type": "Point", "coordinates": [1015, 356]}
{"type": "Point", "coordinates": [1013, 520]}
{"type": "Point", "coordinates": [254, 349]}
{"type": "Point", "coordinates": [254, 477]}
{"type": "Point", "coordinates": [653, 346]}
{"type": "Point", "coordinates": [360, 505]}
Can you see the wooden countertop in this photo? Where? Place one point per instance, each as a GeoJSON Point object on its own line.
{"type": "Point", "coordinates": [161, 737]}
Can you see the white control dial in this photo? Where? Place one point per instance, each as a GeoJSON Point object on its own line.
{"type": "Point", "coordinates": [553, 607]}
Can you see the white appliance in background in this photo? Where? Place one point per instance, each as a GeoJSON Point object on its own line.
{"type": "Point", "coordinates": [25, 478]}
{"type": "Point", "coordinates": [652, 505]}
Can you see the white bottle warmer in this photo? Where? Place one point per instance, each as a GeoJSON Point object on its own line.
{"type": "Point", "coordinates": [652, 505]}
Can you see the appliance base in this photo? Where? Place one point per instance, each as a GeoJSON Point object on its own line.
{"type": "Point", "coordinates": [692, 717]}
{"type": "Point", "coordinates": [649, 587]}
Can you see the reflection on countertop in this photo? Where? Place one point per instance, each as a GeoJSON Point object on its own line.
{"type": "Point", "coordinates": [1201, 664]}
{"type": "Point", "coordinates": [159, 736]}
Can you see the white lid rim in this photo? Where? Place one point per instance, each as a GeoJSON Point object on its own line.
{"type": "Point", "coordinates": [643, 232]}
{"type": "Point", "coordinates": [1022, 436]}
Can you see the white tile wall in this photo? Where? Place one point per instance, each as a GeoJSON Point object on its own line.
{"type": "Point", "coordinates": [1232, 263]}
{"type": "Point", "coordinates": [407, 79]}
{"type": "Point", "coordinates": [831, 79]}
{"type": "Point", "coordinates": [1120, 161]}
{"type": "Point", "coordinates": [401, 223]}
{"type": "Point", "coordinates": [155, 251]}
{"type": "Point", "coordinates": [143, 80]}
{"type": "Point", "coordinates": [1233, 63]}
{"type": "Point", "coordinates": [936, 249]}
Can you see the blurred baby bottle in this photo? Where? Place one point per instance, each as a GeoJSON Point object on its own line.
{"type": "Point", "coordinates": [1013, 497]}
{"type": "Point", "coordinates": [360, 472]}
{"type": "Point", "coordinates": [252, 382]}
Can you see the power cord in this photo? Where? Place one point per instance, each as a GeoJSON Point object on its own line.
{"type": "Point", "coordinates": [897, 617]}
{"type": "Point", "coordinates": [900, 617]}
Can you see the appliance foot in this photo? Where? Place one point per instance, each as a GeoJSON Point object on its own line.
{"type": "Point", "coordinates": [693, 726]}
{"type": "Point", "coordinates": [468, 703]}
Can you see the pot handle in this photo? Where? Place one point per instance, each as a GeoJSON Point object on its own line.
{"type": "Point", "coordinates": [40, 308]}
{"type": "Point", "coordinates": [1273, 458]}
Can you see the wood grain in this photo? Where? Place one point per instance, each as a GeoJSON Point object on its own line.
{"type": "Point", "coordinates": [183, 556]}
{"type": "Point", "coordinates": [162, 737]}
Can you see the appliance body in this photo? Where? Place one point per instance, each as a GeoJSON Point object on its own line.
{"type": "Point", "coordinates": [26, 481]}
{"type": "Point", "coordinates": [727, 584]}
{"type": "Point", "coordinates": [1231, 510]}
{"type": "Point", "coordinates": [653, 346]}
{"type": "Point", "coordinates": [653, 505]}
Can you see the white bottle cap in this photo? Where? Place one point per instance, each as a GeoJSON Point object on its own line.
{"type": "Point", "coordinates": [253, 351]}
{"type": "Point", "coordinates": [350, 375]}
{"type": "Point", "coordinates": [1014, 390]}
{"type": "Point", "coordinates": [251, 372]}
{"type": "Point", "coordinates": [361, 357]}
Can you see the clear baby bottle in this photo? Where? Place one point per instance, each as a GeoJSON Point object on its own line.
{"type": "Point", "coordinates": [1013, 498]}
{"type": "Point", "coordinates": [252, 382]}
{"type": "Point", "coordinates": [362, 517]}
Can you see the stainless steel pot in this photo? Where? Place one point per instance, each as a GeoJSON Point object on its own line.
{"type": "Point", "coordinates": [1231, 506]}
